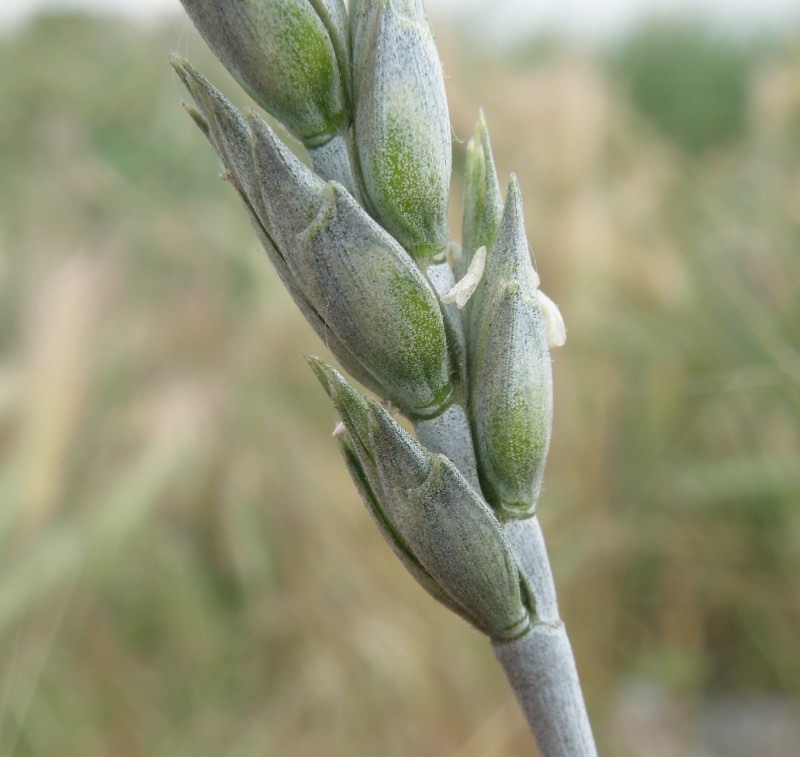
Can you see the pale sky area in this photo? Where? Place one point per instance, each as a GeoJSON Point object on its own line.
{"type": "Point", "coordinates": [588, 18]}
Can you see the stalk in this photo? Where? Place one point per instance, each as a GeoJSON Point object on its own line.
{"type": "Point", "coordinates": [541, 670]}
{"type": "Point", "coordinates": [540, 665]}
{"type": "Point", "coordinates": [449, 435]}
{"type": "Point", "coordinates": [332, 160]}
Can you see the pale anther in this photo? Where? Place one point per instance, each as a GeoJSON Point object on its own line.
{"type": "Point", "coordinates": [464, 288]}
{"type": "Point", "coordinates": [553, 320]}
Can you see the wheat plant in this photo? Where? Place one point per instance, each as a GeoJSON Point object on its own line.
{"type": "Point", "coordinates": [455, 337]}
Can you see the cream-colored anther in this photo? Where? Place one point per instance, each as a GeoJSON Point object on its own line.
{"type": "Point", "coordinates": [463, 289]}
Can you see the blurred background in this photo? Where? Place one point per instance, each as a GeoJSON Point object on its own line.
{"type": "Point", "coordinates": [185, 567]}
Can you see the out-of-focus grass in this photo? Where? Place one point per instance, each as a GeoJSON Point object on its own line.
{"type": "Point", "coordinates": [690, 80]}
{"type": "Point", "coordinates": [185, 567]}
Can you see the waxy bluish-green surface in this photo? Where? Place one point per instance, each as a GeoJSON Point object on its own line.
{"type": "Point", "coordinates": [402, 126]}
{"type": "Point", "coordinates": [511, 392]}
{"type": "Point", "coordinates": [483, 203]}
{"type": "Point", "coordinates": [513, 407]}
{"type": "Point", "coordinates": [446, 534]}
{"type": "Point", "coordinates": [351, 278]}
{"type": "Point", "coordinates": [283, 54]}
